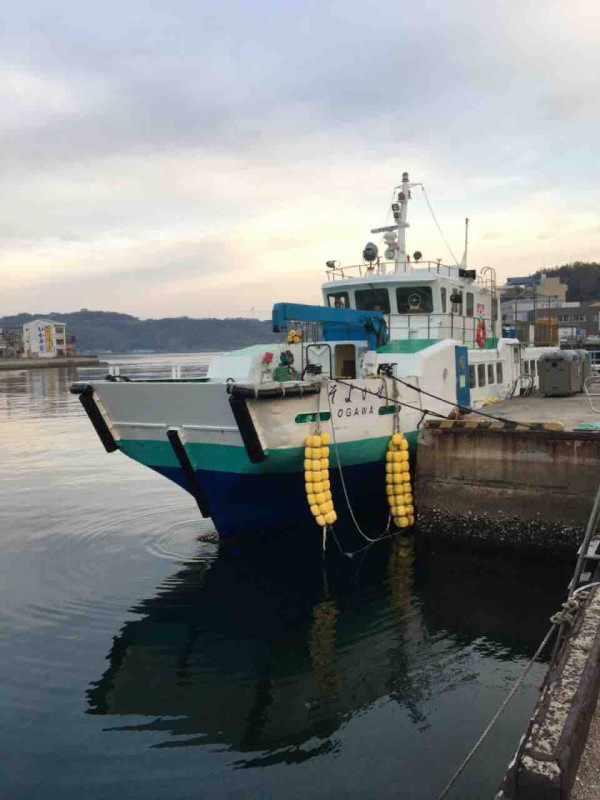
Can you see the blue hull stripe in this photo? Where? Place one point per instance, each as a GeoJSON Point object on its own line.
{"type": "Point", "coordinates": [242, 502]}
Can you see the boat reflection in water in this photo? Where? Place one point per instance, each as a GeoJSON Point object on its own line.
{"type": "Point", "coordinates": [270, 655]}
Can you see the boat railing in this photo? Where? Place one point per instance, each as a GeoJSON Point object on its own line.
{"type": "Point", "coordinates": [448, 325]}
{"type": "Point", "coordinates": [335, 273]}
{"type": "Point", "coordinates": [439, 326]}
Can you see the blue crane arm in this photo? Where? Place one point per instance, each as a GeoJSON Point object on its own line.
{"type": "Point", "coordinates": [338, 323]}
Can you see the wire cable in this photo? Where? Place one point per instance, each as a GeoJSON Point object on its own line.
{"type": "Point", "coordinates": [438, 226]}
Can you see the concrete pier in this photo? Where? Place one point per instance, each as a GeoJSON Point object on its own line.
{"type": "Point", "coordinates": [492, 483]}
{"type": "Point", "coordinates": [547, 760]}
{"type": "Point", "coordinates": [587, 782]}
{"type": "Point", "coordinates": [48, 363]}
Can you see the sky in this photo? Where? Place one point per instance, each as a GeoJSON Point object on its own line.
{"type": "Point", "coordinates": [206, 158]}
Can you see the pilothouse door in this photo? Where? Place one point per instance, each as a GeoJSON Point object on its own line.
{"type": "Point", "coordinates": [463, 391]}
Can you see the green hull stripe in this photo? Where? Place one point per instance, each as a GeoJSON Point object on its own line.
{"type": "Point", "coordinates": [324, 416]}
{"type": "Point", "coordinates": [227, 458]}
{"type": "Point", "coordinates": [407, 345]}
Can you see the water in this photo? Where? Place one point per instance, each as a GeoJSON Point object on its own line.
{"type": "Point", "coordinates": [140, 659]}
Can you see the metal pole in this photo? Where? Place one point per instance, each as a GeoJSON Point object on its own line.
{"type": "Point", "coordinates": [589, 532]}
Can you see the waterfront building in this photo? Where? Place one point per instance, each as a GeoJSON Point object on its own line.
{"type": "Point", "coordinates": [44, 338]}
{"type": "Point", "coordinates": [544, 286]}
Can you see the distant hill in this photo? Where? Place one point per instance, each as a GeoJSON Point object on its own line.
{"type": "Point", "coordinates": [103, 331]}
{"type": "Point", "coordinates": [582, 278]}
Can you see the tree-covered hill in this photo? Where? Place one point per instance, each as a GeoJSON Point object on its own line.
{"type": "Point", "coordinates": [582, 278]}
{"type": "Point", "coordinates": [104, 331]}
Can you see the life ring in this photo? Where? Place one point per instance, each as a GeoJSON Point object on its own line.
{"type": "Point", "coordinates": [481, 334]}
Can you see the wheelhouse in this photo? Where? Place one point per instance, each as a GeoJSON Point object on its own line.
{"type": "Point", "coordinates": [429, 303]}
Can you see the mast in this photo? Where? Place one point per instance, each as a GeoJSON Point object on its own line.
{"type": "Point", "coordinates": [396, 234]}
{"type": "Point", "coordinates": [400, 210]}
{"type": "Point", "coordinates": [463, 263]}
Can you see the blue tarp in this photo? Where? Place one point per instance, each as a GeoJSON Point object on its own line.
{"type": "Point", "coordinates": [521, 281]}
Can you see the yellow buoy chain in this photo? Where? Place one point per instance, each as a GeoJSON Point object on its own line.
{"type": "Point", "coordinates": [316, 477]}
{"type": "Point", "coordinates": [397, 480]}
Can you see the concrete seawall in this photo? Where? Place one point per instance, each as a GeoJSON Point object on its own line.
{"type": "Point", "coordinates": [546, 762]}
{"type": "Point", "coordinates": [507, 486]}
{"type": "Point", "coordinates": [48, 363]}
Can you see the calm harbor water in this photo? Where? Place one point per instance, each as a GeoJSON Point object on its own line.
{"type": "Point", "coordinates": [140, 659]}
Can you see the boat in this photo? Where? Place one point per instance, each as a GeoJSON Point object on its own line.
{"type": "Point", "coordinates": [397, 340]}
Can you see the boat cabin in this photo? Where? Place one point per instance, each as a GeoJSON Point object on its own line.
{"type": "Point", "coordinates": [430, 303]}
{"type": "Point", "coordinates": [424, 300]}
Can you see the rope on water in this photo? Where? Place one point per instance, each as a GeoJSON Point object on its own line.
{"type": "Point", "coordinates": [492, 722]}
{"type": "Point", "coordinates": [563, 617]}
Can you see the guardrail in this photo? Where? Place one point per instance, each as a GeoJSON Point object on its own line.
{"type": "Point", "coordinates": [439, 326]}
{"type": "Point", "coordinates": [387, 268]}
{"type": "Point", "coordinates": [591, 387]}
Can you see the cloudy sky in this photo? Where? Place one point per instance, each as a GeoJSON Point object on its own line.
{"type": "Point", "coordinates": [206, 158]}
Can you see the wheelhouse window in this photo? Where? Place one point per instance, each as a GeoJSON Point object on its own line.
{"type": "Point", "coordinates": [338, 300]}
{"type": "Point", "coordinates": [499, 378]}
{"type": "Point", "coordinates": [456, 298]}
{"type": "Point", "coordinates": [469, 304]}
{"type": "Point", "coordinates": [372, 300]}
{"type": "Point", "coordinates": [490, 371]}
{"type": "Point", "coordinates": [480, 374]}
{"type": "Point", "coordinates": [414, 300]}
{"type": "Point", "coordinates": [472, 376]}
{"type": "Point", "coordinates": [443, 295]}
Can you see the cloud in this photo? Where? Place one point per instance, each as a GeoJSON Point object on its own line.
{"type": "Point", "coordinates": [194, 148]}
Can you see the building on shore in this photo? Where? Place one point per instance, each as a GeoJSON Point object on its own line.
{"type": "Point", "coordinates": [544, 286]}
{"type": "Point", "coordinates": [44, 338]}
{"type": "Point", "coordinates": [526, 300]}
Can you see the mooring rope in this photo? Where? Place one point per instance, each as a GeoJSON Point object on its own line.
{"type": "Point", "coordinates": [563, 617]}
{"type": "Point", "coordinates": [343, 481]}
{"type": "Point", "coordinates": [492, 722]}
{"type": "Point", "coordinates": [465, 409]}
{"type": "Point", "coordinates": [390, 399]}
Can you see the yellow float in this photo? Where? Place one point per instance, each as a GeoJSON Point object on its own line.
{"type": "Point", "coordinates": [397, 480]}
{"type": "Point", "coordinates": [294, 337]}
{"type": "Point", "coordinates": [316, 478]}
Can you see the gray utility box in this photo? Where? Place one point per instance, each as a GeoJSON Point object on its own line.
{"type": "Point", "coordinates": [559, 373]}
{"type": "Point", "coordinates": [585, 365]}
